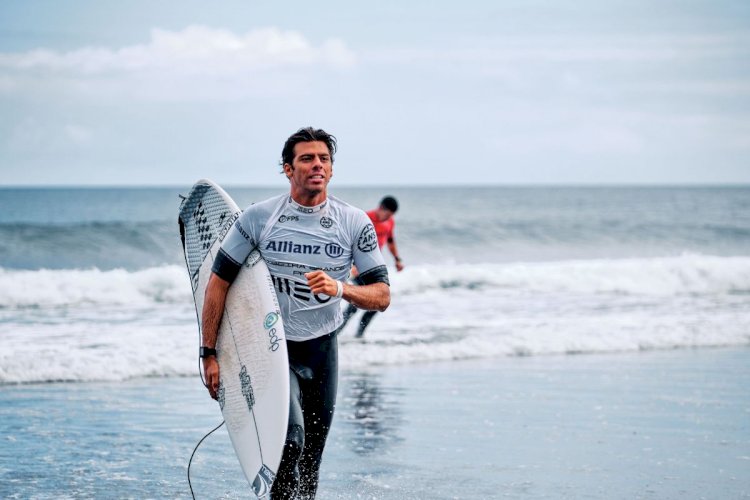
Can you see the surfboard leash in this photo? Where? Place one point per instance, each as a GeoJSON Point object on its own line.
{"type": "Point", "coordinates": [190, 462]}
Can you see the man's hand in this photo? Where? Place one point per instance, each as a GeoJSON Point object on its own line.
{"type": "Point", "coordinates": [211, 373]}
{"type": "Point", "coordinates": [320, 282]}
{"type": "Point", "coordinates": [372, 297]}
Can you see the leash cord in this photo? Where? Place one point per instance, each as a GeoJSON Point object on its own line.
{"type": "Point", "coordinates": [193, 454]}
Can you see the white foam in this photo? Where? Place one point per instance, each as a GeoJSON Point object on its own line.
{"type": "Point", "coordinates": [72, 287]}
{"type": "Point", "coordinates": [685, 274]}
{"type": "Point", "coordinates": [99, 351]}
{"type": "Point", "coordinates": [82, 325]}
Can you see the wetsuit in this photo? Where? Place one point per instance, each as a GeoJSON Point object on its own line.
{"type": "Point", "coordinates": [384, 232]}
{"type": "Point", "coordinates": [294, 240]}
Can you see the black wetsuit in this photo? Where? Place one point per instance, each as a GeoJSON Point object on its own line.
{"type": "Point", "coordinates": [313, 380]}
{"type": "Point", "coordinates": [363, 322]}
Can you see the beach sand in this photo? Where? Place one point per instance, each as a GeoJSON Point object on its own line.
{"type": "Point", "coordinates": [660, 424]}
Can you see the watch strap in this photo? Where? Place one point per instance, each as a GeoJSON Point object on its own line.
{"type": "Point", "coordinates": [205, 352]}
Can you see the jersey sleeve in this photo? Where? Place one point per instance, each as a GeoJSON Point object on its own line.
{"type": "Point", "coordinates": [237, 245]}
{"type": "Point", "coordinates": [366, 253]}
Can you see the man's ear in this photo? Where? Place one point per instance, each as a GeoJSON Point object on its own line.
{"type": "Point", "coordinates": [288, 170]}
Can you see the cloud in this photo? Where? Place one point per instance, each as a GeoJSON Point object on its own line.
{"type": "Point", "coordinates": [573, 49]}
{"type": "Point", "coordinates": [196, 59]}
{"type": "Point", "coordinates": [194, 49]}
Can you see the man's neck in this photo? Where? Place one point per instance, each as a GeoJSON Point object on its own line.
{"type": "Point", "coordinates": [308, 199]}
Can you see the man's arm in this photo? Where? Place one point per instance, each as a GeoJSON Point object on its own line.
{"type": "Point", "coordinates": [213, 310]}
{"type": "Point", "coordinates": [394, 251]}
{"type": "Point", "coordinates": [372, 297]}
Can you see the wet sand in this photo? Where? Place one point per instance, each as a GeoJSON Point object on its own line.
{"type": "Point", "coordinates": [662, 424]}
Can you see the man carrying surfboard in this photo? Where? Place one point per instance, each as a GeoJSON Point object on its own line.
{"type": "Point", "coordinates": [310, 241]}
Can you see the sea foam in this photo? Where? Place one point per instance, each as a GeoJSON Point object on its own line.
{"type": "Point", "coordinates": [90, 324]}
{"type": "Point", "coordinates": [74, 287]}
{"type": "Point", "coordinates": [686, 274]}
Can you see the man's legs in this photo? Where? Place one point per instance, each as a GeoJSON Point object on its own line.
{"type": "Point", "coordinates": [348, 313]}
{"type": "Point", "coordinates": [363, 322]}
{"type": "Point", "coordinates": [366, 318]}
{"type": "Point", "coordinates": [319, 400]}
{"type": "Point", "coordinates": [287, 478]}
{"type": "Point", "coordinates": [313, 383]}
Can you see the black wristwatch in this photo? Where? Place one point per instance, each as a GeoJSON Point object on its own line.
{"type": "Point", "coordinates": [205, 352]}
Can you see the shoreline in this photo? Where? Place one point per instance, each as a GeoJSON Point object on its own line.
{"type": "Point", "coordinates": [655, 424]}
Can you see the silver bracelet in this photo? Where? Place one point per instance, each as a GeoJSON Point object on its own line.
{"type": "Point", "coordinates": [339, 289]}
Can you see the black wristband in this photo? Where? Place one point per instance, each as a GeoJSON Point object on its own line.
{"type": "Point", "coordinates": [398, 259]}
{"type": "Point", "coordinates": [205, 352]}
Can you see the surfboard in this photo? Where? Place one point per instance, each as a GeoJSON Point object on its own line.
{"type": "Point", "coordinates": [251, 347]}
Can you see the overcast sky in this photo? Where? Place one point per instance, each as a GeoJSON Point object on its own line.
{"type": "Point", "coordinates": [417, 92]}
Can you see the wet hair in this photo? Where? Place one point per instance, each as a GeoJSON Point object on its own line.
{"type": "Point", "coordinates": [389, 203]}
{"type": "Point", "coordinates": [307, 134]}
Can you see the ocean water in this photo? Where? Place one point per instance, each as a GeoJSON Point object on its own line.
{"type": "Point", "coordinates": [93, 285]}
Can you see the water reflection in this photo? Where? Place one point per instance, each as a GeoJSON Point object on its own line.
{"type": "Point", "coordinates": [372, 412]}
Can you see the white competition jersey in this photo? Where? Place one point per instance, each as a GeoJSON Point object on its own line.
{"type": "Point", "coordinates": [294, 240]}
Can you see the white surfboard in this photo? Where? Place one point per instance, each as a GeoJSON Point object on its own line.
{"type": "Point", "coordinates": [252, 354]}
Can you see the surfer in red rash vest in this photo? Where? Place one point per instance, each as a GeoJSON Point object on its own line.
{"type": "Point", "coordinates": [384, 222]}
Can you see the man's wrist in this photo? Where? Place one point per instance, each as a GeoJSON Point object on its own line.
{"type": "Point", "coordinates": [398, 259]}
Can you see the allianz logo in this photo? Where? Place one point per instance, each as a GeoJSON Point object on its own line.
{"type": "Point", "coordinates": [331, 249]}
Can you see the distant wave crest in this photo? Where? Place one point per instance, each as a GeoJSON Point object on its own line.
{"type": "Point", "coordinates": [106, 245]}
{"type": "Point", "coordinates": [668, 276]}
{"type": "Point", "coordinates": [685, 274]}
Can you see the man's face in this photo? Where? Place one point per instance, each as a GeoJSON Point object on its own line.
{"type": "Point", "coordinates": [383, 214]}
{"type": "Point", "coordinates": [311, 168]}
